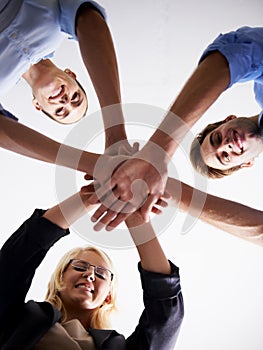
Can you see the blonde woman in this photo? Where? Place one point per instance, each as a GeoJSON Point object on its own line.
{"type": "Point", "coordinates": [82, 293]}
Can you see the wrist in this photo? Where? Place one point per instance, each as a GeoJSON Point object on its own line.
{"type": "Point", "coordinates": [153, 153]}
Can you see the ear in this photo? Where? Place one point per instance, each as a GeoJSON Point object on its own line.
{"type": "Point", "coordinates": [70, 73]}
{"type": "Point", "coordinates": [108, 299]}
{"type": "Point", "coordinates": [230, 117]}
{"type": "Point", "coordinates": [36, 104]}
{"type": "Point", "coordinates": [248, 164]}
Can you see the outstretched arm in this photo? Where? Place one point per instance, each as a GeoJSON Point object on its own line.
{"type": "Point", "coordinates": [99, 57]}
{"type": "Point", "coordinates": [20, 139]}
{"type": "Point", "coordinates": [147, 244]}
{"type": "Point", "coordinates": [235, 218]}
{"type": "Point", "coordinates": [23, 252]}
{"type": "Point", "coordinates": [206, 84]}
{"type": "Point", "coordinates": [161, 319]}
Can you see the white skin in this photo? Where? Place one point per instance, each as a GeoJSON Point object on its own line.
{"type": "Point", "coordinates": [233, 143]}
{"type": "Point", "coordinates": [56, 92]}
{"type": "Point", "coordinates": [84, 292]}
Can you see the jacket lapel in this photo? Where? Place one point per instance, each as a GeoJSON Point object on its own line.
{"type": "Point", "coordinates": [108, 339]}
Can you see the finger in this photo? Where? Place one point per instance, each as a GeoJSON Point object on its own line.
{"type": "Point", "coordinates": [88, 177]}
{"type": "Point", "coordinates": [88, 189]}
{"type": "Point", "coordinates": [121, 217]}
{"type": "Point", "coordinates": [156, 210]}
{"type": "Point", "coordinates": [107, 218]}
{"type": "Point", "coordinates": [98, 213]}
{"type": "Point", "coordinates": [102, 191]}
{"type": "Point", "coordinates": [110, 214]}
{"type": "Point", "coordinates": [162, 203]}
{"type": "Point", "coordinates": [147, 207]}
{"type": "Point", "coordinates": [166, 195]}
{"type": "Point", "coordinates": [135, 147]}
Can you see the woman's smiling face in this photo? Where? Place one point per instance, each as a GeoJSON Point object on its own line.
{"type": "Point", "coordinates": [85, 289]}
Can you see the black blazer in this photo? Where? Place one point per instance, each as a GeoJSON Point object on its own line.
{"type": "Point", "coordinates": [22, 324]}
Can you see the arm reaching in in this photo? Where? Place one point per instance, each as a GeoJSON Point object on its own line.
{"type": "Point", "coordinates": [203, 88]}
{"type": "Point", "coordinates": [235, 218]}
{"type": "Point", "coordinates": [98, 53]}
{"type": "Point", "coordinates": [149, 249]}
{"type": "Point", "coordinates": [160, 321]}
{"type": "Point", "coordinates": [20, 139]}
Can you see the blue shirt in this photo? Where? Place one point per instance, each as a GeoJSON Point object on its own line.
{"type": "Point", "coordinates": [34, 33]}
{"type": "Point", "coordinates": [243, 50]}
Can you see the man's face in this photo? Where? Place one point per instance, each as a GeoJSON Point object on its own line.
{"type": "Point", "coordinates": [236, 142]}
{"type": "Point", "coordinates": [61, 97]}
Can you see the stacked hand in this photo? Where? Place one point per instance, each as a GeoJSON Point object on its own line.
{"type": "Point", "coordinates": [125, 183]}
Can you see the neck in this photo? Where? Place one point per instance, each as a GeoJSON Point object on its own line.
{"type": "Point", "coordinates": [84, 317]}
{"type": "Point", "coordinates": [38, 70]}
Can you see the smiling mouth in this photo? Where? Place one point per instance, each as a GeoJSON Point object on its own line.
{"type": "Point", "coordinates": [84, 287]}
{"type": "Point", "coordinates": [237, 141]}
{"type": "Point", "coordinates": [57, 93]}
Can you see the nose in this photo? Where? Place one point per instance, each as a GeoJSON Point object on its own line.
{"type": "Point", "coordinates": [64, 99]}
{"type": "Point", "coordinates": [226, 145]}
{"type": "Point", "coordinates": [89, 274]}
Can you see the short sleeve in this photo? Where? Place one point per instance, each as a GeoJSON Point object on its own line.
{"type": "Point", "coordinates": [7, 113]}
{"type": "Point", "coordinates": [243, 50]}
{"type": "Point", "coordinates": [68, 11]}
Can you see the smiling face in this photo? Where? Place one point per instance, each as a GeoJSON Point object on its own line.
{"type": "Point", "coordinates": [85, 290]}
{"type": "Point", "coordinates": [236, 142]}
{"type": "Point", "coordinates": [61, 97]}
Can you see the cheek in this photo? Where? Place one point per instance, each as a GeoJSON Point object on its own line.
{"type": "Point", "coordinates": [103, 290]}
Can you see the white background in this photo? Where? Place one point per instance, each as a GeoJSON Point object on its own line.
{"type": "Point", "coordinates": [158, 44]}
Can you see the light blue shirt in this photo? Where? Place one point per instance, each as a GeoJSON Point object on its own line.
{"type": "Point", "coordinates": [243, 50]}
{"type": "Point", "coordinates": [34, 34]}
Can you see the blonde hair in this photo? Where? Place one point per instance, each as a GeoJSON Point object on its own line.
{"type": "Point", "coordinates": [101, 315]}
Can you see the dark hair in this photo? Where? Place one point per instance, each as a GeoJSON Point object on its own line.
{"type": "Point", "coordinates": [81, 88]}
{"type": "Point", "coordinates": [197, 159]}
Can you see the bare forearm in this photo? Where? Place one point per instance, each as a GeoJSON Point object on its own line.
{"type": "Point", "coordinates": [149, 249]}
{"type": "Point", "coordinates": [203, 88]}
{"type": "Point", "coordinates": [98, 53]}
{"type": "Point", "coordinates": [232, 217]}
{"type": "Point", "coordinates": [20, 139]}
{"type": "Point", "coordinates": [70, 210]}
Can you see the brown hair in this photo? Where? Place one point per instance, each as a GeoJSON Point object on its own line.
{"type": "Point", "coordinates": [197, 159]}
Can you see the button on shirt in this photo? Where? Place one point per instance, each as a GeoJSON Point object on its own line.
{"type": "Point", "coordinates": [34, 34]}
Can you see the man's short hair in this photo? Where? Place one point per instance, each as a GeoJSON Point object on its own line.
{"type": "Point", "coordinates": [197, 159]}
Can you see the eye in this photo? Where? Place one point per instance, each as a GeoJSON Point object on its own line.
{"type": "Point", "coordinates": [226, 157]}
{"type": "Point", "coordinates": [101, 273]}
{"type": "Point", "coordinates": [75, 97]}
{"type": "Point", "coordinates": [60, 111]}
{"type": "Point", "coordinates": [79, 268]}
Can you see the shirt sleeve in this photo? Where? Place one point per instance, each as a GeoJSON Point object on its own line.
{"type": "Point", "coordinates": [68, 12]}
{"type": "Point", "coordinates": [161, 319]}
{"type": "Point", "coordinates": [20, 256]}
{"type": "Point", "coordinates": [7, 113]}
{"type": "Point", "coordinates": [243, 51]}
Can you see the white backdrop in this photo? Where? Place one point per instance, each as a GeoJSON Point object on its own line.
{"type": "Point", "coordinates": [158, 45]}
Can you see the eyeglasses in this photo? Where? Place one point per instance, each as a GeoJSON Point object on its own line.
{"type": "Point", "coordinates": [83, 266]}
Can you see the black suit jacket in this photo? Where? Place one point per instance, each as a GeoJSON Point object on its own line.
{"type": "Point", "coordinates": [23, 324]}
